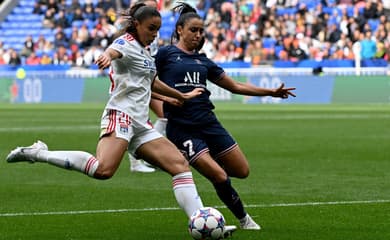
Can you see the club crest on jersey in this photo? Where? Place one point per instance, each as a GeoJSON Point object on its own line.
{"type": "Point", "coordinates": [198, 61]}
{"type": "Point", "coordinates": [123, 128]}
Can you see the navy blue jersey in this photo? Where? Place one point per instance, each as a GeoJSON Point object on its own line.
{"type": "Point", "coordinates": [185, 72]}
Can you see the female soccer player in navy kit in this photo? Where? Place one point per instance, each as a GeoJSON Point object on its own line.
{"type": "Point", "coordinates": [125, 120]}
{"type": "Point", "coordinates": [193, 127]}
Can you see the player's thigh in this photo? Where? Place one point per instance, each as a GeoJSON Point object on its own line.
{"type": "Point", "coordinates": [209, 168]}
{"type": "Point", "coordinates": [110, 151]}
{"type": "Point", "coordinates": [163, 154]}
{"type": "Point", "coordinates": [235, 163]}
{"type": "Point", "coordinates": [114, 137]}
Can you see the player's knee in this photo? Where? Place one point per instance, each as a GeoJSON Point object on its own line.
{"type": "Point", "coordinates": [240, 173]}
{"type": "Point", "coordinates": [103, 173]}
{"type": "Point", "coordinates": [243, 173]}
{"type": "Point", "coordinates": [179, 165]}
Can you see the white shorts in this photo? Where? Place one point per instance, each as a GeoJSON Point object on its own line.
{"type": "Point", "coordinates": [133, 132]}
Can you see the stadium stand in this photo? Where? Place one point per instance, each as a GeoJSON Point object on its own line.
{"type": "Point", "coordinates": [293, 33]}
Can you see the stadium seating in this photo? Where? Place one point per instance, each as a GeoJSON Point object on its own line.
{"type": "Point", "coordinates": [22, 22]}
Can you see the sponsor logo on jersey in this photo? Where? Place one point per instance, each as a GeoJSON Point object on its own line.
{"type": "Point", "coordinates": [191, 79]}
{"type": "Point", "coordinates": [149, 64]}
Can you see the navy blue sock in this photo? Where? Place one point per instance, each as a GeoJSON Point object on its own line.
{"type": "Point", "coordinates": [230, 197]}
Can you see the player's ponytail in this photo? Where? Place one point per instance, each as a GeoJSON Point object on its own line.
{"type": "Point", "coordinates": [183, 8]}
{"type": "Point", "coordinates": [186, 12]}
{"type": "Point", "coordinates": [138, 12]}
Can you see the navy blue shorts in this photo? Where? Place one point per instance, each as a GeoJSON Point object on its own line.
{"type": "Point", "coordinates": [192, 141]}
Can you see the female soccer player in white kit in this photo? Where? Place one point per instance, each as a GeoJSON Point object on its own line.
{"type": "Point", "coordinates": [125, 120]}
{"type": "Point", "coordinates": [138, 165]}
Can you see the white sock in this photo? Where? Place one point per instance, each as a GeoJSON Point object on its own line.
{"type": "Point", "coordinates": [73, 160]}
{"type": "Point", "coordinates": [160, 125]}
{"type": "Point", "coordinates": [186, 194]}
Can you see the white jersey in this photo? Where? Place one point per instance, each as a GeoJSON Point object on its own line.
{"type": "Point", "coordinates": [131, 79]}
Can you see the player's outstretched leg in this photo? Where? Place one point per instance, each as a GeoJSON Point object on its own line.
{"type": "Point", "coordinates": [38, 152]}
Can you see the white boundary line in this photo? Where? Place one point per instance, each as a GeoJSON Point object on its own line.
{"type": "Point", "coordinates": [176, 208]}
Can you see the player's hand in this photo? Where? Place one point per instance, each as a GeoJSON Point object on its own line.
{"type": "Point", "coordinates": [103, 61]}
{"type": "Point", "coordinates": [174, 101]}
{"type": "Point", "coordinates": [194, 93]}
{"type": "Point", "coordinates": [282, 92]}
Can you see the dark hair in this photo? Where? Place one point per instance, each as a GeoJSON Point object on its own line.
{"type": "Point", "coordinates": [138, 12]}
{"type": "Point", "coordinates": [187, 12]}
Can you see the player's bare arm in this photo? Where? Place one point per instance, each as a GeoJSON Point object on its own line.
{"type": "Point", "coordinates": [105, 59]}
{"type": "Point", "coordinates": [233, 86]}
{"type": "Point", "coordinates": [170, 100]}
{"type": "Point", "coordinates": [161, 88]}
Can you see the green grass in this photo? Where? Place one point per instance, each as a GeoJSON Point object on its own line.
{"type": "Point", "coordinates": [317, 172]}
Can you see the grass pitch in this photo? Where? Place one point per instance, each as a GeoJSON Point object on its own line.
{"type": "Point", "coordinates": [317, 172]}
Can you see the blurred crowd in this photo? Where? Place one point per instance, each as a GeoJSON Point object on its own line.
{"type": "Point", "coordinates": [254, 31]}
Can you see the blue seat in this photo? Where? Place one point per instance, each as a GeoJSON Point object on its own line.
{"type": "Point", "coordinates": [250, 6]}
{"type": "Point", "coordinates": [16, 46]}
{"type": "Point", "coordinates": [12, 39]}
{"type": "Point", "coordinates": [278, 49]}
{"type": "Point", "coordinates": [373, 23]}
{"type": "Point", "coordinates": [350, 10]}
{"type": "Point", "coordinates": [18, 25]}
{"type": "Point", "coordinates": [269, 42]}
{"type": "Point", "coordinates": [289, 11]}
{"type": "Point", "coordinates": [166, 33]}
{"type": "Point", "coordinates": [24, 17]}
{"type": "Point", "coordinates": [22, 10]}
{"type": "Point", "coordinates": [68, 32]}
{"type": "Point", "coordinates": [26, 3]}
{"type": "Point", "coordinates": [310, 4]}
{"type": "Point", "coordinates": [77, 23]}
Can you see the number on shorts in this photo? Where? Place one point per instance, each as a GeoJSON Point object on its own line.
{"type": "Point", "coordinates": [190, 146]}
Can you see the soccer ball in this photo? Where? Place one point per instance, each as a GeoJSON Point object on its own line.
{"type": "Point", "coordinates": [206, 223]}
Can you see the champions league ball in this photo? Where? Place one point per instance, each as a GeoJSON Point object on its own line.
{"type": "Point", "coordinates": [206, 223]}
